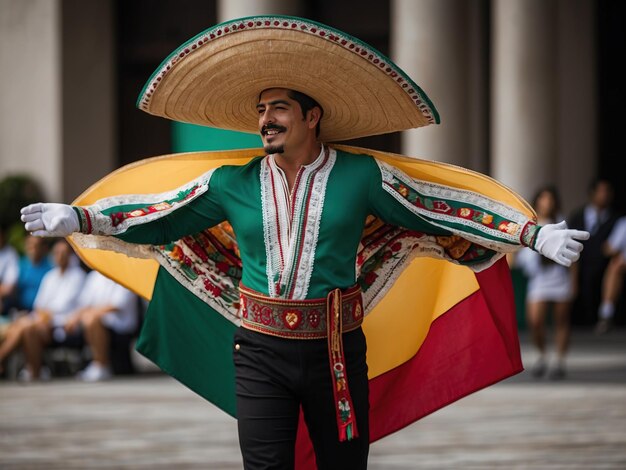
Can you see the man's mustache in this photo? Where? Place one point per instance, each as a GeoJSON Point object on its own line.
{"type": "Point", "coordinates": [268, 127]}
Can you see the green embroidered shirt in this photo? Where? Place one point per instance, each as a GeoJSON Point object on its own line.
{"type": "Point", "coordinates": [304, 243]}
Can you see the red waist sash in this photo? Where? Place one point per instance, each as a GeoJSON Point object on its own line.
{"type": "Point", "coordinates": [340, 312]}
{"type": "Point", "coordinates": [298, 319]}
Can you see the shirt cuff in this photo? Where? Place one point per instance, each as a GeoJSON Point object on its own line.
{"type": "Point", "coordinates": [529, 234]}
{"type": "Point", "coordinates": [84, 219]}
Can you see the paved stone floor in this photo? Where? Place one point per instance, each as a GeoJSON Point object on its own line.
{"type": "Point", "coordinates": [149, 421]}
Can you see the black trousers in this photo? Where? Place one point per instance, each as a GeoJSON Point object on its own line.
{"type": "Point", "coordinates": [277, 376]}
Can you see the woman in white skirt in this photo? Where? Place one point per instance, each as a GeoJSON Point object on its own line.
{"type": "Point", "coordinates": [550, 287]}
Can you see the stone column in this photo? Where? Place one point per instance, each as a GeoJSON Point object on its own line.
{"type": "Point", "coordinates": [524, 94]}
{"type": "Point", "coordinates": [576, 94]}
{"type": "Point", "coordinates": [88, 94]}
{"type": "Point", "coordinates": [229, 9]}
{"type": "Point", "coordinates": [441, 45]}
{"type": "Point", "coordinates": [57, 99]}
{"type": "Point", "coordinates": [30, 95]}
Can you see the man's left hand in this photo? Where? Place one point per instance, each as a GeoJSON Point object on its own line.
{"type": "Point", "coordinates": [558, 243]}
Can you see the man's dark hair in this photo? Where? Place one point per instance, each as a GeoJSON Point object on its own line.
{"type": "Point", "coordinates": [306, 104]}
{"type": "Point", "coordinates": [597, 181]}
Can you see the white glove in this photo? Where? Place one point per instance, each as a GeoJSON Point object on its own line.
{"type": "Point", "coordinates": [50, 219]}
{"type": "Point", "coordinates": [557, 242]}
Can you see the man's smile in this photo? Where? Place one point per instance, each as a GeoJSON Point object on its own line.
{"type": "Point", "coordinates": [271, 130]}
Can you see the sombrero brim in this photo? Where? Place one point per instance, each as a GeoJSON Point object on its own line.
{"type": "Point", "coordinates": [215, 79]}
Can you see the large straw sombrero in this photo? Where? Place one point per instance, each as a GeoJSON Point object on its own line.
{"type": "Point", "coordinates": [215, 78]}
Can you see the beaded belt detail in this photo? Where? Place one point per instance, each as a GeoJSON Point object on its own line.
{"type": "Point", "coordinates": [297, 319]}
{"type": "Point", "coordinates": [339, 312]}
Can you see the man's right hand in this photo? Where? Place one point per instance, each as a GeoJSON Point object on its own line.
{"type": "Point", "coordinates": [50, 219]}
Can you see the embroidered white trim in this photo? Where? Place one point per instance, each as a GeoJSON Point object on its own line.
{"type": "Point", "coordinates": [132, 250]}
{"type": "Point", "coordinates": [413, 247]}
{"type": "Point", "coordinates": [312, 227]}
{"type": "Point", "coordinates": [288, 237]}
{"type": "Point", "coordinates": [274, 228]}
{"type": "Point", "coordinates": [510, 242]}
{"type": "Point", "coordinates": [102, 224]}
{"type": "Point", "coordinates": [226, 309]}
{"type": "Point", "coordinates": [196, 287]}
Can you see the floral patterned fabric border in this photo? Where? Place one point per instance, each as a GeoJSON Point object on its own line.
{"type": "Point", "coordinates": [488, 223]}
{"type": "Point", "coordinates": [207, 264]}
{"type": "Point", "coordinates": [114, 215]}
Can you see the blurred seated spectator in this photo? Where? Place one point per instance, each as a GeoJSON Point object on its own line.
{"type": "Point", "coordinates": [612, 282]}
{"type": "Point", "coordinates": [32, 268]}
{"type": "Point", "coordinates": [9, 272]}
{"type": "Point", "coordinates": [105, 307]}
{"type": "Point", "coordinates": [56, 298]}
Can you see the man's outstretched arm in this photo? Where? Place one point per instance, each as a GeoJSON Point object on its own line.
{"type": "Point", "coordinates": [490, 226]}
{"type": "Point", "coordinates": [144, 219]}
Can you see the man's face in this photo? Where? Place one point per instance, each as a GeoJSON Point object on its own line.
{"type": "Point", "coordinates": [61, 253]}
{"type": "Point", "coordinates": [35, 248]}
{"type": "Point", "coordinates": [602, 195]}
{"type": "Point", "coordinates": [281, 123]}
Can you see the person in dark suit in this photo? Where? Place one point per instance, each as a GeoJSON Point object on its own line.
{"type": "Point", "coordinates": [597, 216]}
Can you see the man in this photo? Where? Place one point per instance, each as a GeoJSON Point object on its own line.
{"type": "Point", "coordinates": [56, 299]}
{"type": "Point", "coordinates": [597, 217]}
{"type": "Point", "coordinates": [299, 214]}
{"type": "Point", "coordinates": [103, 305]}
{"type": "Point", "coordinates": [32, 268]}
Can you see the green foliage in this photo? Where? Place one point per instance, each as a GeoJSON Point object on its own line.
{"type": "Point", "coordinates": [17, 191]}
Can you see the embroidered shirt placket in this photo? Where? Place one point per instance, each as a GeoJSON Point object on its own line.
{"type": "Point", "coordinates": [297, 223]}
{"type": "Point", "coordinates": [287, 196]}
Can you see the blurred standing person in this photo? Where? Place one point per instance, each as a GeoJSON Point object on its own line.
{"type": "Point", "coordinates": [56, 298]}
{"type": "Point", "coordinates": [612, 282]}
{"type": "Point", "coordinates": [550, 286]}
{"type": "Point", "coordinates": [598, 218]}
{"type": "Point", "coordinates": [104, 305]}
